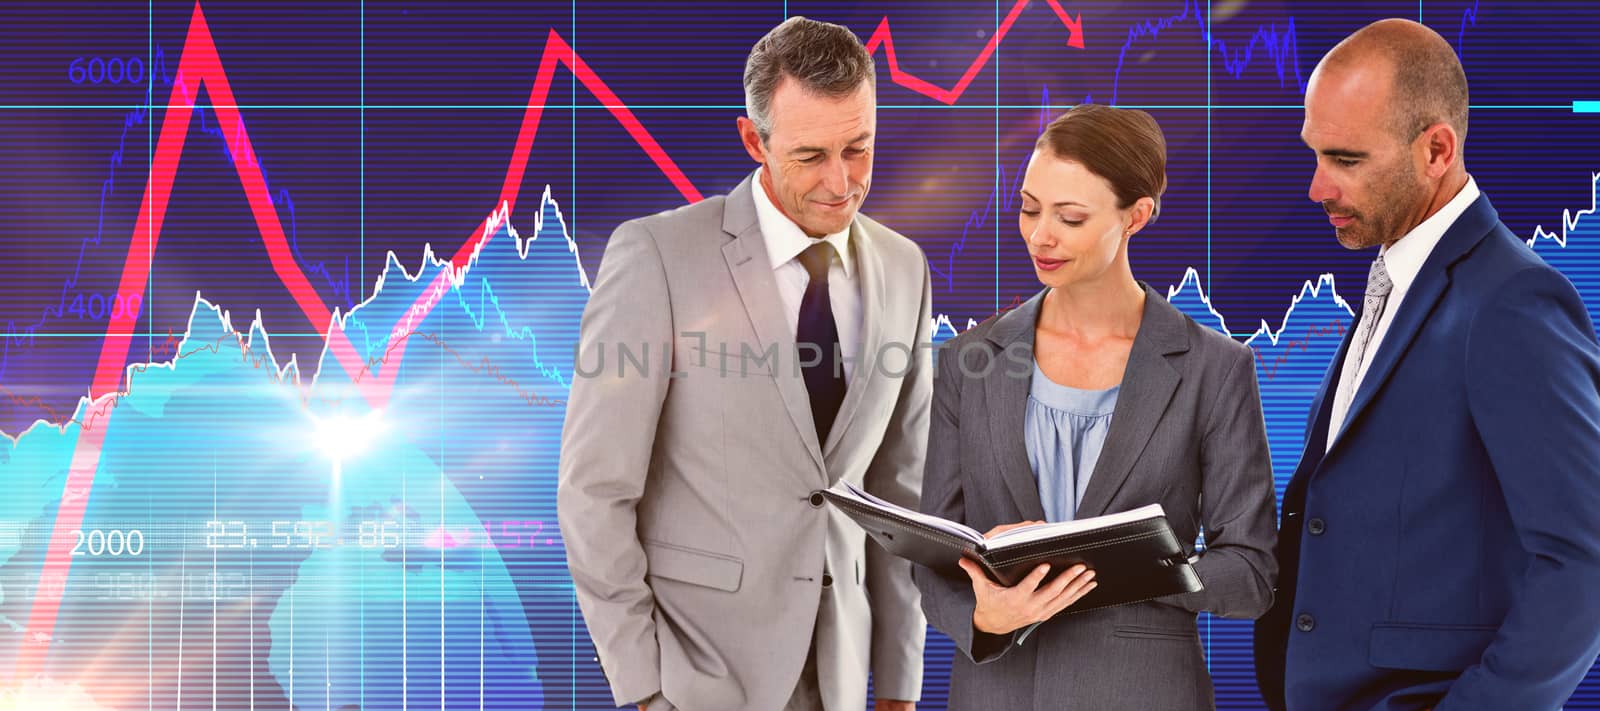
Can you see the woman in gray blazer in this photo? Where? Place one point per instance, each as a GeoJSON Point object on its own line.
{"type": "Point", "coordinates": [1093, 397]}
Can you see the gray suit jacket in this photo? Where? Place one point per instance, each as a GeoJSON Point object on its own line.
{"type": "Point", "coordinates": [703, 563]}
{"type": "Point", "coordinates": [1187, 433]}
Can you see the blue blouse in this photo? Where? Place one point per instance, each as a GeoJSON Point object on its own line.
{"type": "Point", "coordinates": [1066, 427]}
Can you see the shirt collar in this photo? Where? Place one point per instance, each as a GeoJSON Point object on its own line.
{"type": "Point", "coordinates": [785, 239]}
{"type": "Point", "coordinates": [1404, 258]}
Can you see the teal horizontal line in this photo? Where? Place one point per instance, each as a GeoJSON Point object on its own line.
{"type": "Point", "coordinates": [1576, 106]}
{"type": "Point", "coordinates": [1541, 107]}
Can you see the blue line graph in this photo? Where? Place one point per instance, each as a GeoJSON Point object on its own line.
{"type": "Point", "coordinates": [22, 336]}
{"type": "Point", "coordinates": [1469, 18]}
{"type": "Point", "coordinates": [1280, 46]}
{"type": "Point", "coordinates": [1002, 199]}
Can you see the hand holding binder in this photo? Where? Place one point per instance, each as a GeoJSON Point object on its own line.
{"type": "Point", "coordinates": [1001, 610]}
{"type": "Point", "coordinates": [1134, 554]}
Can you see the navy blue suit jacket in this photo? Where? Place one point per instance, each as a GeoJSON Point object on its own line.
{"type": "Point", "coordinates": [1446, 550]}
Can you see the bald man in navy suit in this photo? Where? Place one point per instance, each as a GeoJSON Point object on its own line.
{"type": "Point", "coordinates": [1440, 542]}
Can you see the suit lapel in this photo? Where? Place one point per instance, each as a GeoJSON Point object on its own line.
{"type": "Point", "coordinates": [1147, 387]}
{"type": "Point", "coordinates": [1007, 401]}
{"type": "Point", "coordinates": [1414, 310]}
{"type": "Point", "coordinates": [1431, 283]}
{"type": "Point", "coordinates": [747, 260]}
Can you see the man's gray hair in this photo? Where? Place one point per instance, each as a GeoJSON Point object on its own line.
{"type": "Point", "coordinates": [826, 59]}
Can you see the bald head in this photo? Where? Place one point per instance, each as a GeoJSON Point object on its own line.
{"type": "Point", "coordinates": [1426, 84]}
{"type": "Point", "coordinates": [1386, 114]}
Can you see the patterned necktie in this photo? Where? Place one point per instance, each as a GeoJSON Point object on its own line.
{"type": "Point", "coordinates": [824, 381]}
{"type": "Point", "coordinates": [1378, 288]}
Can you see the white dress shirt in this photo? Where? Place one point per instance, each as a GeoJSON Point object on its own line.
{"type": "Point", "coordinates": [785, 241]}
{"type": "Point", "coordinates": [1403, 260]}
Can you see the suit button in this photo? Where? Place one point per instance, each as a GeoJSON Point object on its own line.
{"type": "Point", "coordinates": [1316, 526]}
{"type": "Point", "coordinates": [1305, 622]}
{"type": "Point", "coordinates": [827, 580]}
{"type": "Point", "coordinates": [817, 499]}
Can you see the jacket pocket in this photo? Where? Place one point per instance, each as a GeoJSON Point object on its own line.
{"type": "Point", "coordinates": [1147, 632]}
{"type": "Point", "coordinates": [1428, 647]}
{"type": "Point", "coordinates": [693, 566]}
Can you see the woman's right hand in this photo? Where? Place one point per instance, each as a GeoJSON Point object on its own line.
{"type": "Point", "coordinates": [1002, 610]}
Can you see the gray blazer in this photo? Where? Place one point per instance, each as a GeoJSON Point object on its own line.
{"type": "Point", "coordinates": [1187, 433]}
{"type": "Point", "coordinates": [702, 562]}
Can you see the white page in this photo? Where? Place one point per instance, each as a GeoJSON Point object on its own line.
{"type": "Point", "coordinates": [1041, 531]}
{"type": "Point", "coordinates": [852, 491]}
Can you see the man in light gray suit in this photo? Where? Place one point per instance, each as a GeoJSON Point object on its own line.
{"type": "Point", "coordinates": [738, 355]}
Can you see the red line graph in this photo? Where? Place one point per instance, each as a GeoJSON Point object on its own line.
{"type": "Point", "coordinates": [200, 66]}
{"type": "Point", "coordinates": [885, 38]}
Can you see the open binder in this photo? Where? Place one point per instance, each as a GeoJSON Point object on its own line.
{"type": "Point", "coordinates": [1135, 554]}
